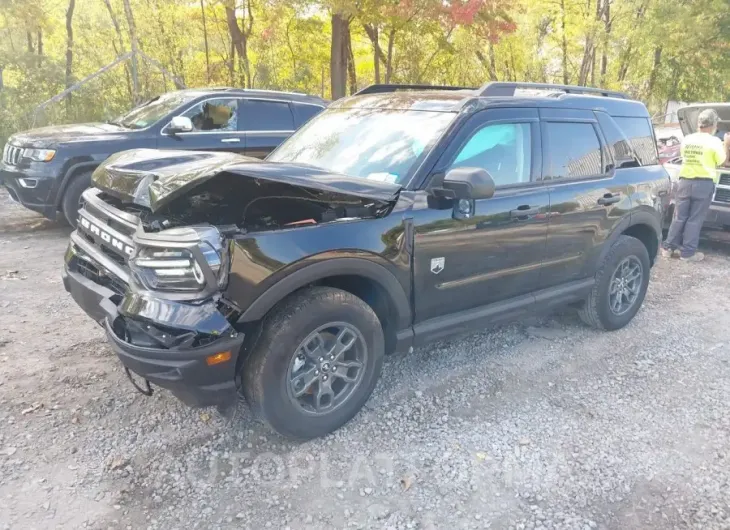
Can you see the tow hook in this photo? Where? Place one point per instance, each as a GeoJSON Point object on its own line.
{"type": "Point", "coordinates": [147, 390]}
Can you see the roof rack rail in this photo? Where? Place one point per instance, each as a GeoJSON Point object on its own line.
{"type": "Point", "coordinates": [381, 89]}
{"type": "Point", "coordinates": [503, 88]}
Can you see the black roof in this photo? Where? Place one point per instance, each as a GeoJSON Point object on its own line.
{"type": "Point", "coordinates": [457, 99]}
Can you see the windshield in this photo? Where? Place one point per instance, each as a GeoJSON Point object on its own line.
{"type": "Point", "coordinates": [380, 144]}
{"type": "Point", "coordinates": [153, 110]}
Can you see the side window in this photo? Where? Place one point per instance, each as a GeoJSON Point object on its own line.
{"type": "Point", "coordinates": [503, 149]}
{"type": "Point", "coordinates": [573, 150]}
{"type": "Point", "coordinates": [305, 113]}
{"type": "Point", "coordinates": [259, 115]}
{"type": "Point", "coordinates": [214, 115]}
{"type": "Point", "coordinates": [618, 144]}
{"type": "Point", "coordinates": [639, 133]}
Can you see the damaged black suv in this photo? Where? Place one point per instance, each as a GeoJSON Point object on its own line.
{"type": "Point", "coordinates": [399, 216]}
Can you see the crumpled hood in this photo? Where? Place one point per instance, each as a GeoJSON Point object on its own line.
{"type": "Point", "coordinates": [153, 178]}
{"type": "Point", "coordinates": [46, 137]}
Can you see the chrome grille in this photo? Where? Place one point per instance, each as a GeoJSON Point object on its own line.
{"type": "Point", "coordinates": [12, 154]}
{"type": "Point", "coordinates": [724, 179]}
{"type": "Point", "coordinates": [91, 271]}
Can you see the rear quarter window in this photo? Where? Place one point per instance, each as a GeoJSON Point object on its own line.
{"type": "Point", "coordinates": [641, 137]}
{"type": "Point", "coordinates": [303, 113]}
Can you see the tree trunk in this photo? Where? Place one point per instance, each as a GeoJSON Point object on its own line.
{"type": "Point", "coordinates": [389, 59]}
{"type": "Point", "coordinates": [133, 39]}
{"type": "Point", "coordinates": [31, 47]}
{"type": "Point", "coordinates": [378, 56]}
{"type": "Point", "coordinates": [351, 69]}
{"type": "Point", "coordinates": [120, 37]}
{"type": "Point", "coordinates": [488, 62]}
{"type": "Point", "coordinates": [239, 38]}
{"type": "Point", "coordinates": [654, 72]}
{"type": "Point", "coordinates": [205, 41]}
{"type": "Point", "coordinates": [69, 52]}
{"type": "Point", "coordinates": [606, 39]}
{"type": "Point", "coordinates": [40, 43]}
{"type": "Point", "coordinates": [564, 42]}
{"type": "Point", "coordinates": [338, 56]}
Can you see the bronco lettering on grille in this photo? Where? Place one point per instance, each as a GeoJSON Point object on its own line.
{"type": "Point", "coordinates": [106, 237]}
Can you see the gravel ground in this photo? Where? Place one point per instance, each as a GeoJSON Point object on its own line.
{"type": "Point", "coordinates": [546, 424]}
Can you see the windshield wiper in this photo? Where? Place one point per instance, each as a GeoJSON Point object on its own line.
{"type": "Point", "coordinates": [117, 123]}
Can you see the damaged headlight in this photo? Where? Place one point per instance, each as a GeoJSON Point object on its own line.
{"type": "Point", "coordinates": [184, 267]}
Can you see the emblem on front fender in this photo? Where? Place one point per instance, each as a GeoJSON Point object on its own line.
{"type": "Point", "coordinates": [437, 265]}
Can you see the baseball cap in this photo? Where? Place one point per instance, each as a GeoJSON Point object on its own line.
{"type": "Point", "coordinates": [707, 118]}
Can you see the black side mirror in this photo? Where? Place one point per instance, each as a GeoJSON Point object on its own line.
{"type": "Point", "coordinates": [469, 183]}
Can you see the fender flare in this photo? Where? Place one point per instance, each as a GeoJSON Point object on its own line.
{"type": "Point", "coordinates": [635, 218]}
{"type": "Point", "coordinates": [70, 173]}
{"type": "Point", "coordinates": [328, 268]}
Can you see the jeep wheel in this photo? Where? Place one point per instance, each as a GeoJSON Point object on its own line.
{"type": "Point", "coordinates": [315, 363]}
{"type": "Point", "coordinates": [71, 202]}
{"type": "Point", "coordinates": [621, 283]}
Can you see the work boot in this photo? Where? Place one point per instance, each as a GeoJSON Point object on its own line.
{"type": "Point", "coordinates": [667, 253]}
{"type": "Point", "coordinates": [697, 256]}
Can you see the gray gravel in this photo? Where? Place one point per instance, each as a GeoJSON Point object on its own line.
{"type": "Point", "coordinates": [546, 424]}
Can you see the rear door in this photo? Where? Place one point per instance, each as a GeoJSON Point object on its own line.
{"type": "Point", "coordinates": [587, 199]}
{"type": "Point", "coordinates": [216, 127]}
{"type": "Point", "coordinates": [267, 123]}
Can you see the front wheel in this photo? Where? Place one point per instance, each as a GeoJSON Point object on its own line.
{"type": "Point", "coordinates": [620, 288]}
{"type": "Point", "coordinates": [71, 202]}
{"type": "Point", "coordinates": [315, 363]}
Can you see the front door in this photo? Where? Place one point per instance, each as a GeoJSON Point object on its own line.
{"type": "Point", "coordinates": [267, 124]}
{"type": "Point", "coordinates": [216, 127]}
{"type": "Point", "coordinates": [477, 263]}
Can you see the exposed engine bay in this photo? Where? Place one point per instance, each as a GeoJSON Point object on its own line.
{"type": "Point", "coordinates": [255, 205]}
{"type": "Point", "coordinates": [169, 189]}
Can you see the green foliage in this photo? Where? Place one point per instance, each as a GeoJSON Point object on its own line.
{"type": "Point", "coordinates": [655, 49]}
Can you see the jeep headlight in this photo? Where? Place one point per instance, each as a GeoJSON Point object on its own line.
{"type": "Point", "coordinates": [39, 155]}
{"type": "Point", "coordinates": [182, 267]}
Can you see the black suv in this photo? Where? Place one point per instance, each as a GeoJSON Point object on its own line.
{"type": "Point", "coordinates": [47, 169]}
{"type": "Point", "coordinates": [392, 219]}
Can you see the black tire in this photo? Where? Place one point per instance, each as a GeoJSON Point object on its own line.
{"type": "Point", "coordinates": [266, 371]}
{"type": "Point", "coordinates": [596, 310]}
{"type": "Point", "coordinates": [72, 196]}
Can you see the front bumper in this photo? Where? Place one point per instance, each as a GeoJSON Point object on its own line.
{"type": "Point", "coordinates": [167, 352]}
{"type": "Point", "coordinates": [718, 217]}
{"type": "Point", "coordinates": [39, 198]}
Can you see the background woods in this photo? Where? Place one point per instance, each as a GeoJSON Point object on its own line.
{"type": "Point", "coordinates": [655, 49]}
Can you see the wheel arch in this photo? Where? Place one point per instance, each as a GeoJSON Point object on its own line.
{"type": "Point", "coordinates": [72, 172]}
{"type": "Point", "coordinates": [370, 281]}
{"type": "Point", "coordinates": [642, 225]}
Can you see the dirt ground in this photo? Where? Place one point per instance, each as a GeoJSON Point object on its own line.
{"type": "Point", "coordinates": [543, 424]}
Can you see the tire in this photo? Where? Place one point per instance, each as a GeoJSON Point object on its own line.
{"type": "Point", "coordinates": [596, 310]}
{"type": "Point", "coordinates": [72, 196]}
{"type": "Point", "coordinates": [267, 371]}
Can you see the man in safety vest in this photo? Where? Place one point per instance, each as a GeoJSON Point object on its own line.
{"type": "Point", "coordinates": [702, 153]}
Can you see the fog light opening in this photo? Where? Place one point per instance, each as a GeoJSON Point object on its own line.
{"type": "Point", "coordinates": [28, 183]}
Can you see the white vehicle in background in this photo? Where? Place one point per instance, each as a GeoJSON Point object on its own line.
{"type": "Point", "coordinates": [719, 216]}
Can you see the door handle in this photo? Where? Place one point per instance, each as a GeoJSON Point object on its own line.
{"type": "Point", "coordinates": [230, 140]}
{"type": "Point", "coordinates": [523, 212]}
{"type": "Point", "coordinates": [609, 198]}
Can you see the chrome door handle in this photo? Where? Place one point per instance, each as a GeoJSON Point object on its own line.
{"type": "Point", "coordinates": [230, 140]}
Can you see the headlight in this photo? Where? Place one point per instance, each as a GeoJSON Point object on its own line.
{"type": "Point", "coordinates": [39, 155]}
{"type": "Point", "coordinates": [186, 268]}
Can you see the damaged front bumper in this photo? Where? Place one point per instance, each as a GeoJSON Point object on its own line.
{"type": "Point", "coordinates": [188, 348]}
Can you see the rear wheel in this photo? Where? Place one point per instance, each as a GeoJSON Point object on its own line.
{"type": "Point", "coordinates": [315, 363]}
{"type": "Point", "coordinates": [71, 202]}
{"type": "Point", "coordinates": [620, 288]}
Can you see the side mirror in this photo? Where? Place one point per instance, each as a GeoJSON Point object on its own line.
{"type": "Point", "coordinates": [469, 183]}
{"type": "Point", "coordinates": [180, 124]}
